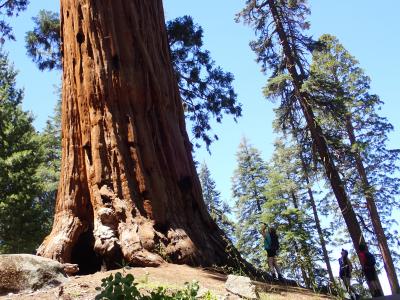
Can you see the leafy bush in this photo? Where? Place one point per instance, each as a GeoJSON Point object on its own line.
{"type": "Point", "coordinates": [118, 288]}
{"type": "Point", "coordinates": [121, 287]}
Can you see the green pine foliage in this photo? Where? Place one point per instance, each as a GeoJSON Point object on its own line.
{"type": "Point", "coordinates": [341, 92]}
{"type": "Point", "coordinates": [42, 43]}
{"type": "Point", "coordinates": [275, 194]}
{"type": "Point", "coordinates": [283, 49]}
{"type": "Point", "coordinates": [218, 209]}
{"type": "Point", "coordinates": [248, 187]}
{"type": "Point", "coordinates": [21, 213]}
{"type": "Point", "coordinates": [287, 209]}
{"type": "Point", "coordinates": [206, 90]}
{"type": "Point", "coordinates": [9, 9]}
{"type": "Point", "coordinates": [267, 44]}
{"type": "Point", "coordinates": [49, 169]}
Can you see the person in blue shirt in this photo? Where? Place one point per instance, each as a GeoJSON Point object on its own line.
{"type": "Point", "coordinates": [271, 245]}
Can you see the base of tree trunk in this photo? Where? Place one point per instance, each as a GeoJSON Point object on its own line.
{"type": "Point", "coordinates": [108, 244]}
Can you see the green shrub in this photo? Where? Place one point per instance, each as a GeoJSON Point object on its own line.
{"type": "Point", "coordinates": [121, 287]}
{"type": "Point", "coordinates": [118, 288]}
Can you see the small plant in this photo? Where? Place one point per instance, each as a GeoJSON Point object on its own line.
{"type": "Point", "coordinates": [121, 287]}
{"type": "Point", "coordinates": [118, 287]}
{"type": "Point", "coordinates": [209, 296]}
{"type": "Point", "coordinates": [189, 292]}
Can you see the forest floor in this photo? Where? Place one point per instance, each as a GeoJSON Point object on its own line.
{"type": "Point", "coordinates": [170, 276]}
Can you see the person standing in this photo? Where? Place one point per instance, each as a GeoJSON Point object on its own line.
{"type": "Point", "coordinates": [368, 263]}
{"type": "Point", "coordinates": [345, 273]}
{"type": "Point", "coordinates": [271, 245]}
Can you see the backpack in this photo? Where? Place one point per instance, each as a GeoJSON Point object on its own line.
{"type": "Point", "coordinates": [369, 259]}
{"type": "Point", "coordinates": [274, 242]}
{"type": "Point", "coordinates": [344, 270]}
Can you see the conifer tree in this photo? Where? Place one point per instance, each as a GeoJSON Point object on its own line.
{"type": "Point", "coordinates": [21, 217]}
{"type": "Point", "coordinates": [248, 187]}
{"type": "Point", "coordinates": [282, 48]}
{"type": "Point", "coordinates": [287, 206]}
{"type": "Point", "coordinates": [340, 89]}
{"type": "Point", "coordinates": [309, 174]}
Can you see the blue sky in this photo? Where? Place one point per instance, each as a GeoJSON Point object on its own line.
{"type": "Point", "coordinates": [368, 30]}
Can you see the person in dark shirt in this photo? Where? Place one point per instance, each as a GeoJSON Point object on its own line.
{"type": "Point", "coordinates": [345, 273]}
{"type": "Point", "coordinates": [368, 262]}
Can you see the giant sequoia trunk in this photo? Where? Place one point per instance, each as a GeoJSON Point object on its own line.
{"type": "Point", "coordinates": [373, 212]}
{"type": "Point", "coordinates": [318, 138]}
{"type": "Point", "coordinates": [128, 188]}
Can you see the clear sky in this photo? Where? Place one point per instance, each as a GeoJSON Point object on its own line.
{"type": "Point", "coordinates": [370, 31]}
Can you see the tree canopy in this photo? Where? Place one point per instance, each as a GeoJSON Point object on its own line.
{"type": "Point", "coordinates": [9, 8]}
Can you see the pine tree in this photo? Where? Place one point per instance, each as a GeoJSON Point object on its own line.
{"type": "Point", "coordinates": [282, 46]}
{"type": "Point", "coordinates": [341, 91]}
{"type": "Point", "coordinates": [307, 181]}
{"type": "Point", "coordinates": [217, 208]}
{"type": "Point", "coordinates": [287, 207]}
{"type": "Point", "coordinates": [43, 42]}
{"type": "Point", "coordinates": [21, 218]}
{"type": "Point", "coordinates": [248, 187]}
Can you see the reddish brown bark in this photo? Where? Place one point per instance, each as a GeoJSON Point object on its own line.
{"type": "Point", "coordinates": [128, 186]}
{"type": "Point", "coordinates": [318, 138]}
{"type": "Point", "coordinates": [373, 212]}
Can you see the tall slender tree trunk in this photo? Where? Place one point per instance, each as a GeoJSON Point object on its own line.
{"type": "Point", "coordinates": [128, 187]}
{"type": "Point", "coordinates": [306, 278]}
{"type": "Point", "coordinates": [373, 212]}
{"type": "Point", "coordinates": [317, 221]}
{"type": "Point", "coordinates": [309, 277]}
{"type": "Point", "coordinates": [318, 137]}
{"type": "Point", "coordinates": [298, 260]}
{"type": "Point", "coordinates": [311, 200]}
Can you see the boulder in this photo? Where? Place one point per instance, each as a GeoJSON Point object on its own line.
{"type": "Point", "coordinates": [241, 286]}
{"type": "Point", "coordinates": [25, 272]}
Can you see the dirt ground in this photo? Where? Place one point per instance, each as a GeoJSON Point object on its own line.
{"type": "Point", "coordinates": [168, 275]}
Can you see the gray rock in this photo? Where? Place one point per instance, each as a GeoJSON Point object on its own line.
{"type": "Point", "coordinates": [25, 272]}
{"type": "Point", "coordinates": [241, 286]}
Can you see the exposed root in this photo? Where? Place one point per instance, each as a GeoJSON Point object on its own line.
{"type": "Point", "coordinates": [58, 245]}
